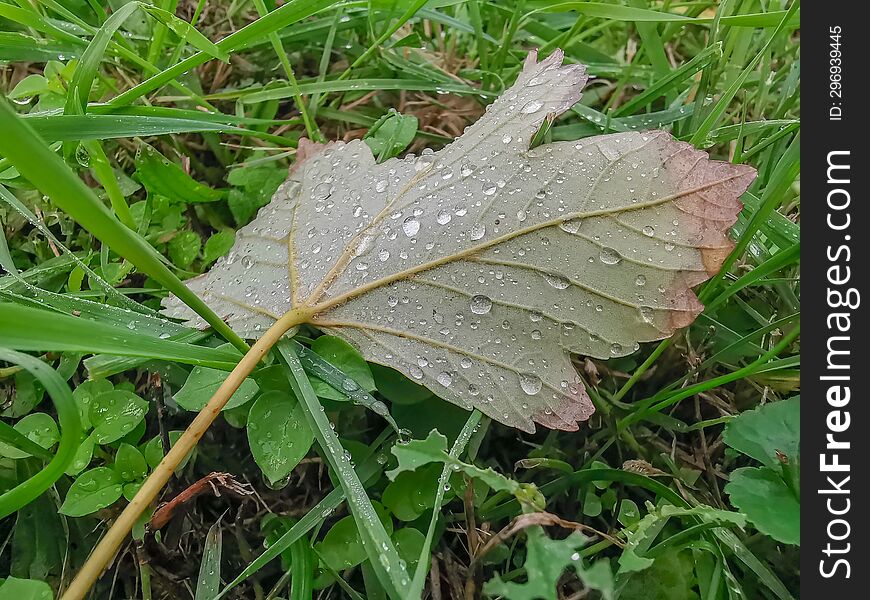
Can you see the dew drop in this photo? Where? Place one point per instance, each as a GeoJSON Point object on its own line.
{"type": "Point", "coordinates": [570, 226]}
{"type": "Point", "coordinates": [480, 304]}
{"type": "Point", "coordinates": [411, 226]}
{"type": "Point", "coordinates": [443, 217]}
{"type": "Point", "coordinates": [609, 256]}
{"type": "Point", "coordinates": [444, 378]}
{"type": "Point", "coordinates": [531, 384]}
{"type": "Point", "coordinates": [532, 107]}
{"type": "Point", "coordinates": [478, 230]}
{"type": "Point", "coordinates": [556, 281]}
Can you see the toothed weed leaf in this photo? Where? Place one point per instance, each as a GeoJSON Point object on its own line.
{"type": "Point", "coordinates": [546, 560]}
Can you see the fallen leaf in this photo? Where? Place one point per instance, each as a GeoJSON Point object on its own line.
{"type": "Point", "coordinates": [478, 269]}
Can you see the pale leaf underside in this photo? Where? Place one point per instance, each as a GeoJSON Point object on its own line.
{"type": "Point", "coordinates": [479, 269]}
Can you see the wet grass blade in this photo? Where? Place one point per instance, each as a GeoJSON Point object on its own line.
{"type": "Point", "coordinates": [45, 170]}
{"type": "Point", "coordinates": [456, 450]}
{"type": "Point", "coordinates": [258, 31]}
{"type": "Point", "coordinates": [384, 558]}
{"type": "Point", "coordinates": [70, 428]}
{"type": "Point", "coordinates": [209, 581]}
{"type": "Point", "coordinates": [61, 333]}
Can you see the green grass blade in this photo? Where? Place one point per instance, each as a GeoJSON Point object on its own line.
{"type": "Point", "coordinates": [381, 551]}
{"type": "Point", "coordinates": [315, 365]}
{"type": "Point", "coordinates": [54, 128]}
{"type": "Point", "coordinates": [616, 12]}
{"type": "Point", "coordinates": [310, 125]}
{"type": "Point", "coordinates": [291, 12]}
{"type": "Point", "coordinates": [209, 581]}
{"type": "Point", "coordinates": [32, 329]}
{"type": "Point", "coordinates": [86, 72]}
{"type": "Point", "coordinates": [728, 95]}
{"type": "Point", "coordinates": [70, 428]}
{"type": "Point", "coordinates": [671, 80]}
{"type": "Point", "coordinates": [11, 436]}
{"type": "Point", "coordinates": [456, 450]}
{"type": "Point", "coordinates": [23, 147]}
{"type": "Point", "coordinates": [15, 47]}
{"type": "Point", "coordinates": [784, 175]}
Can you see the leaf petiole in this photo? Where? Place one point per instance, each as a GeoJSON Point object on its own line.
{"type": "Point", "coordinates": [111, 541]}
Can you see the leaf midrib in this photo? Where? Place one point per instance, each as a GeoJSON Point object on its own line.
{"type": "Point", "coordinates": [312, 309]}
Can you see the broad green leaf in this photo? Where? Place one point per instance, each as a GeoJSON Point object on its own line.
{"type": "Point", "coordinates": [409, 542]}
{"type": "Point", "coordinates": [341, 547]}
{"type": "Point", "coordinates": [203, 382]}
{"type": "Point", "coordinates": [766, 430]}
{"type": "Point", "coordinates": [344, 356]}
{"type": "Point", "coordinates": [397, 388]}
{"type": "Point", "coordinates": [84, 395]}
{"type": "Point", "coordinates": [82, 457]}
{"type": "Point", "coordinates": [153, 450]}
{"type": "Point", "coordinates": [253, 187]}
{"type": "Point", "coordinates": [39, 539]}
{"type": "Point", "coordinates": [391, 134]}
{"type": "Point", "coordinates": [115, 414]}
{"type": "Point", "coordinates": [546, 560]}
{"type": "Point", "coordinates": [278, 434]}
{"type": "Point", "coordinates": [477, 270]}
{"type": "Point", "coordinates": [30, 86]}
{"type": "Point", "coordinates": [763, 496]}
{"type": "Point", "coordinates": [412, 493]}
{"type": "Point", "coordinates": [129, 463]}
{"type": "Point", "coordinates": [671, 577]}
{"type": "Point", "coordinates": [184, 248]}
{"type": "Point", "coordinates": [629, 513]}
{"type": "Point", "coordinates": [37, 427]}
{"type": "Point", "coordinates": [162, 176]}
{"type": "Point", "coordinates": [217, 245]}
{"type": "Point", "coordinates": [91, 491]}
{"type": "Point", "coordinates": [25, 589]}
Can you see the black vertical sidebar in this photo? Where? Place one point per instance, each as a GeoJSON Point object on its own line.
{"type": "Point", "coordinates": [835, 265]}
